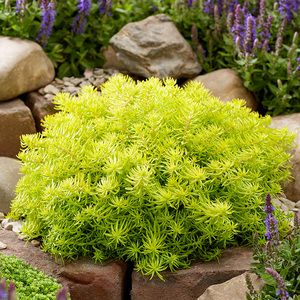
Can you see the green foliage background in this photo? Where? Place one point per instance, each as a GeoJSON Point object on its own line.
{"type": "Point", "coordinates": [149, 172]}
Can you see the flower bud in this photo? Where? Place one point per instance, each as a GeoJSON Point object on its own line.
{"type": "Point", "coordinates": [290, 69]}
{"type": "Point", "coordinates": [295, 38]}
{"type": "Point", "coordinates": [279, 83]}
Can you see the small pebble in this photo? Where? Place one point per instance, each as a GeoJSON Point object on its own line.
{"type": "Point", "coordinates": [35, 243]}
{"type": "Point", "coordinates": [6, 221]}
{"type": "Point", "coordinates": [49, 97]}
{"type": "Point", "coordinates": [22, 237]}
{"type": "Point", "coordinates": [51, 89]}
{"type": "Point", "coordinates": [41, 91]}
{"type": "Point", "coordinates": [68, 83]}
{"type": "Point", "coordinates": [8, 226]}
{"type": "Point", "coordinates": [2, 246]}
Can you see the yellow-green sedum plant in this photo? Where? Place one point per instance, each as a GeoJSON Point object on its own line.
{"type": "Point", "coordinates": [149, 172]}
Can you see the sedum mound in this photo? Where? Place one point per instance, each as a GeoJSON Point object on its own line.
{"type": "Point", "coordinates": [149, 172]}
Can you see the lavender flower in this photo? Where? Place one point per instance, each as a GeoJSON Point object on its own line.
{"type": "Point", "coordinates": [265, 46]}
{"type": "Point", "coordinates": [287, 7]}
{"type": "Point", "coordinates": [265, 34]}
{"type": "Point", "coordinates": [63, 293]}
{"type": "Point", "coordinates": [281, 286]}
{"type": "Point", "coordinates": [217, 19]}
{"type": "Point", "coordinates": [232, 5]}
{"type": "Point", "coordinates": [238, 28]}
{"type": "Point", "coordinates": [271, 222]}
{"type": "Point", "coordinates": [269, 208]}
{"type": "Point", "coordinates": [250, 33]}
{"type": "Point", "coordinates": [105, 6]}
{"type": "Point", "coordinates": [298, 68]}
{"type": "Point", "coordinates": [21, 7]}
{"type": "Point", "coordinates": [190, 3]}
{"type": "Point", "coordinates": [209, 7]}
{"type": "Point", "coordinates": [278, 43]}
{"type": "Point", "coordinates": [246, 8]}
{"type": "Point", "coordinates": [80, 20]}
{"type": "Point", "coordinates": [48, 18]}
{"type": "Point", "coordinates": [262, 12]}
{"type": "Point", "coordinates": [229, 22]}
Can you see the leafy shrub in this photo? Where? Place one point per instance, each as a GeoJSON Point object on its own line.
{"type": "Point", "coordinates": [30, 283]}
{"type": "Point", "coordinates": [277, 262]}
{"type": "Point", "coordinates": [149, 172]}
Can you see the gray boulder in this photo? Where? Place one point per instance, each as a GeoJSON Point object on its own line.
{"type": "Point", "coordinates": [155, 48]}
{"type": "Point", "coordinates": [24, 67]}
{"type": "Point", "coordinates": [9, 177]}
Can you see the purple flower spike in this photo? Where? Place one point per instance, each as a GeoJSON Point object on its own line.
{"type": "Point", "coordinates": [190, 3]}
{"type": "Point", "coordinates": [271, 222]}
{"type": "Point", "coordinates": [48, 18]}
{"type": "Point", "coordinates": [250, 33]}
{"type": "Point", "coordinates": [246, 8]}
{"type": "Point", "coordinates": [238, 28]}
{"type": "Point", "coordinates": [209, 7]}
{"type": "Point", "coordinates": [287, 7]}
{"type": "Point", "coordinates": [80, 20]}
{"type": "Point", "coordinates": [281, 286]}
{"type": "Point", "coordinates": [229, 21]}
{"type": "Point", "coordinates": [269, 208]}
{"type": "Point", "coordinates": [298, 65]}
{"type": "Point", "coordinates": [105, 6]}
{"type": "Point", "coordinates": [262, 12]}
{"type": "Point", "coordinates": [265, 46]}
{"type": "Point", "coordinates": [21, 6]}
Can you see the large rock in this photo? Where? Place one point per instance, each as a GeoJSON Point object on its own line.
{"type": "Point", "coordinates": [189, 284]}
{"type": "Point", "coordinates": [233, 289]}
{"type": "Point", "coordinates": [15, 120]}
{"type": "Point", "coordinates": [155, 47]}
{"type": "Point", "coordinates": [89, 280]}
{"type": "Point", "coordinates": [24, 67]}
{"type": "Point", "coordinates": [86, 280]}
{"type": "Point", "coordinates": [9, 177]}
{"type": "Point", "coordinates": [292, 122]}
{"type": "Point", "coordinates": [227, 85]}
{"type": "Point", "coordinates": [112, 61]}
{"type": "Point", "coordinates": [40, 107]}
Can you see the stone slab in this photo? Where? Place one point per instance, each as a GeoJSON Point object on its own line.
{"type": "Point", "coordinates": [190, 283]}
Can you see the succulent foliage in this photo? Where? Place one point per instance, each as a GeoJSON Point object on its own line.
{"type": "Point", "coordinates": [27, 282]}
{"type": "Point", "coordinates": [149, 172]}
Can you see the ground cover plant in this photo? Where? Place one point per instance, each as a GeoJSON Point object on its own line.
{"type": "Point", "coordinates": [277, 261]}
{"type": "Point", "coordinates": [149, 172]}
{"type": "Point", "coordinates": [26, 282]}
{"type": "Point", "coordinates": [258, 38]}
